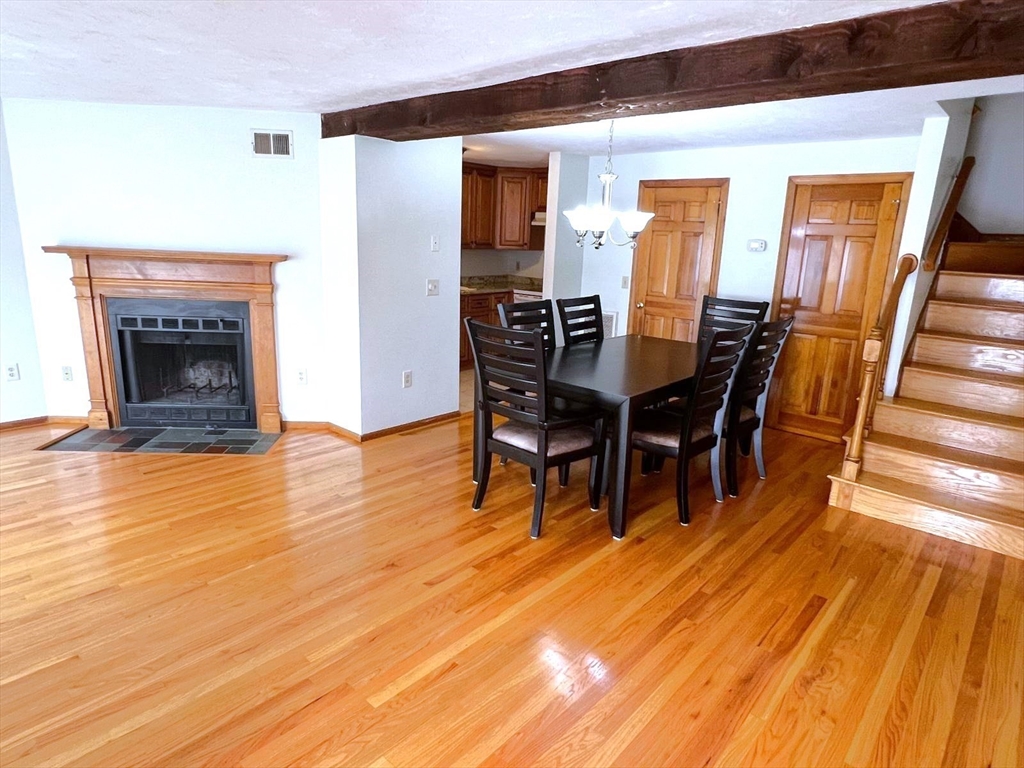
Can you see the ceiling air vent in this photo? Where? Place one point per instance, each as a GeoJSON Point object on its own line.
{"type": "Point", "coordinates": [272, 143]}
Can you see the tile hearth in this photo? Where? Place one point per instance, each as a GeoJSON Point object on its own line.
{"type": "Point", "coordinates": [167, 440]}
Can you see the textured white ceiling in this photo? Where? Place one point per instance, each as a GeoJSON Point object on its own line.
{"type": "Point", "coordinates": [873, 114]}
{"type": "Point", "coordinates": [317, 56]}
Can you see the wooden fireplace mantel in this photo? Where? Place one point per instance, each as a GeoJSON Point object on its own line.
{"type": "Point", "coordinates": [100, 273]}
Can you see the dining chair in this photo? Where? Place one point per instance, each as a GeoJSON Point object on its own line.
{"type": "Point", "coordinates": [527, 315]}
{"type": "Point", "coordinates": [720, 314]}
{"type": "Point", "coordinates": [581, 319]}
{"type": "Point", "coordinates": [511, 381]}
{"type": "Point", "coordinates": [700, 426]}
{"type": "Point", "coordinates": [749, 398]}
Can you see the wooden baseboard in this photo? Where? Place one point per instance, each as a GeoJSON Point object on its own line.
{"type": "Point", "coordinates": [450, 416]}
{"type": "Point", "coordinates": [334, 429]}
{"type": "Point", "coordinates": [39, 421]}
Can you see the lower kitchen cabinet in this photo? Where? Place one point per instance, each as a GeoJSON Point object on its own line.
{"type": "Point", "coordinates": [482, 307]}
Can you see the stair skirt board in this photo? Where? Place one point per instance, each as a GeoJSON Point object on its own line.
{"type": "Point", "coordinates": [992, 535]}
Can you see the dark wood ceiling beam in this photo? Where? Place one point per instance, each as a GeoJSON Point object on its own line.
{"type": "Point", "coordinates": [950, 41]}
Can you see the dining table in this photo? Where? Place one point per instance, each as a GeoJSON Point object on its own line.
{"type": "Point", "coordinates": [621, 375]}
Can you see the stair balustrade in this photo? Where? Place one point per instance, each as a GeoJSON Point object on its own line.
{"type": "Point", "coordinates": [875, 357]}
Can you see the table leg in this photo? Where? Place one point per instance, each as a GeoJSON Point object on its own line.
{"type": "Point", "coordinates": [618, 498]}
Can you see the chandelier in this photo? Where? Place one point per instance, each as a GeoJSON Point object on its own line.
{"type": "Point", "coordinates": [598, 219]}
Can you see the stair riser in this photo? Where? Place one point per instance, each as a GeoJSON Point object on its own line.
{"type": "Point", "coordinates": [970, 355]}
{"type": "Point", "coordinates": [996, 537]}
{"type": "Point", "coordinates": [959, 286]}
{"type": "Point", "coordinates": [1004, 490]}
{"type": "Point", "coordinates": [977, 321]}
{"type": "Point", "coordinates": [993, 439]}
{"type": "Point", "coordinates": [1000, 258]}
{"type": "Point", "coordinates": [979, 395]}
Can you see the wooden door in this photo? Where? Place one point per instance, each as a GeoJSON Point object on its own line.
{"type": "Point", "coordinates": [676, 260]}
{"type": "Point", "coordinates": [838, 251]}
{"type": "Point", "coordinates": [514, 201]}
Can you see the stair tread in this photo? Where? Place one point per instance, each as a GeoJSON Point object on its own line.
{"type": "Point", "coordinates": [982, 461]}
{"type": "Point", "coordinates": [954, 411]}
{"type": "Point", "coordinates": [997, 341]}
{"type": "Point", "coordinates": [993, 275]}
{"type": "Point", "coordinates": [1008, 379]}
{"type": "Point", "coordinates": [943, 500]}
{"type": "Point", "coordinates": [974, 303]}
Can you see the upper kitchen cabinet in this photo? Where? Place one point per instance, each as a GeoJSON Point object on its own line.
{"type": "Point", "coordinates": [515, 201]}
{"type": "Point", "coordinates": [498, 205]}
{"type": "Point", "coordinates": [478, 206]}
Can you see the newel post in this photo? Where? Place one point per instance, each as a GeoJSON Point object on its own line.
{"type": "Point", "coordinates": [872, 351]}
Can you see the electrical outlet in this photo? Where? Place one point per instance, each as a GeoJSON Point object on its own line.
{"type": "Point", "coordinates": [302, 377]}
{"type": "Point", "coordinates": [66, 373]}
{"type": "Point", "coordinates": [13, 374]}
{"type": "Point", "coordinates": [406, 379]}
{"type": "Point", "coordinates": [435, 243]}
{"type": "Point", "coordinates": [625, 281]}
{"type": "Point", "coordinates": [433, 287]}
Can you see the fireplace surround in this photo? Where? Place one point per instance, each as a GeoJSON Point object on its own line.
{"type": "Point", "coordinates": [233, 363]}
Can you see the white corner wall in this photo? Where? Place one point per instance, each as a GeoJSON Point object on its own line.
{"type": "Point", "coordinates": [408, 192]}
{"type": "Point", "coordinates": [758, 177]}
{"type": "Point", "coordinates": [22, 399]}
{"type": "Point", "coordinates": [994, 198]}
{"type": "Point", "coordinates": [339, 244]}
{"type": "Point", "coordinates": [939, 155]}
{"type": "Point", "coordinates": [568, 186]}
{"type": "Point", "coordinates": [174, 178]}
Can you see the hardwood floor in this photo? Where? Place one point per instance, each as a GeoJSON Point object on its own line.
{"type": "Point", "coordinates": [334, 604]}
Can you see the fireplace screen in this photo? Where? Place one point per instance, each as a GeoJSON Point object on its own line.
{"type": "Point", "coordinates": [182, 363]}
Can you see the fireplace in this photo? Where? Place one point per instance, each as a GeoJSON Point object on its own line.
{"type": "Point", "coordinates": [182, 363]}
{"type": "Point", "coordinates": [177, 337]}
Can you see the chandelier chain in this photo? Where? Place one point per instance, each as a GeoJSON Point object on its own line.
{"type": "Point", "coordinates": [608, 162]}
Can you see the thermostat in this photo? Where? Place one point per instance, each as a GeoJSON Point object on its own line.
{"type": "Point", "coordinates": [757, 246]}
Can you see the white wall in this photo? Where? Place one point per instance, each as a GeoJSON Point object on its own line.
{"type": "Point", "coordinates": [758, 177]}
{"type": "Point", "coordinates": [406, 193]}
{"type": "Point", "coordinates": [22, 399]}
{"type": "Point", "coordinates": [994, 198]}
{"type": "Point", "coordinates": [166, 177]}
{"type": "Point", "coordinates": [938, 159]}
{"type": "Point", "coordinates": [339, 243]}
{"type": "Point", "coordinates": [563, 259]}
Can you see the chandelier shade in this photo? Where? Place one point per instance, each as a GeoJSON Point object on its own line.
{"type": "Point", "coordinates": [598, 219]}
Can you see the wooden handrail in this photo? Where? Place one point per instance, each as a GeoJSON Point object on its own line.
{"type": "Point", "coordinates": [939, 237]}
{"type": "Point", "coordinates": [876, 354]}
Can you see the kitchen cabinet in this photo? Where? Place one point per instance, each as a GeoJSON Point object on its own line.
{"type": "Point", "coordinates": [482, 307]}
{"type": "Point", "coordinates": [498, 205]}
{"type": "Point", "coordinates": [515, 200]}
{"type": "Point", "coordinates": [478, 206]}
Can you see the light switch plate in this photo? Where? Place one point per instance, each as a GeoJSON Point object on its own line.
{"type": "Point", "coordinates": [435, 243]}
{"type": "Point", "coordinates": [433, 287]}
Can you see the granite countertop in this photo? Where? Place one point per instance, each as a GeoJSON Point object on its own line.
{"type": "Point", "coordinates": [499, 283]}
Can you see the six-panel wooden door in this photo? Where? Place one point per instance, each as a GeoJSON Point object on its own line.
{"type": "Point", "coordinates": [837, 265]}
{"type": "Point", "coordinates": [676, 261]}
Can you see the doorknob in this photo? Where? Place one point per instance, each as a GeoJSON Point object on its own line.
{"type": "Point", "coordinates": [639, 305]}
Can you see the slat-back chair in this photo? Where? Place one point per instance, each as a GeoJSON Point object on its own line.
{"type": "Point", "coordinates": [511, 381]}
{"type": "Point", "coordinates": [749, 398]}
{"type": "Point", "coordinates": [581, 319]}
{"type": "Point", "coordinates": [700, 426]}
{"type": "Point", "coordinates": [528, 315]}
{"type": "Point", "coordinates": [728, 314]}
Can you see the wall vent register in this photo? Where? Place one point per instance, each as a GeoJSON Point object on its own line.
{"type": "Point", "coordinates": [272, 143]}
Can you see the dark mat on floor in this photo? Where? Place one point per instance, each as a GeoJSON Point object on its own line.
{"type": "Point", "coordinates": [167, 440]}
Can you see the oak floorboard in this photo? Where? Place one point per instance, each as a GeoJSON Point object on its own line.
{"type": "Point", "coordinates": [339, 604]}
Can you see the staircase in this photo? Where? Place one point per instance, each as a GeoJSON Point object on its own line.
{"type": "Point", "coordinates": [946, 455]}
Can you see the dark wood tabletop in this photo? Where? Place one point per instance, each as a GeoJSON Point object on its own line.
{"type": "Point", "coordinates": [622, 374]}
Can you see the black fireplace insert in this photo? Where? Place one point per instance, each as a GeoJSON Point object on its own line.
{"type": "Point", "coordinates": [182, 363]}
